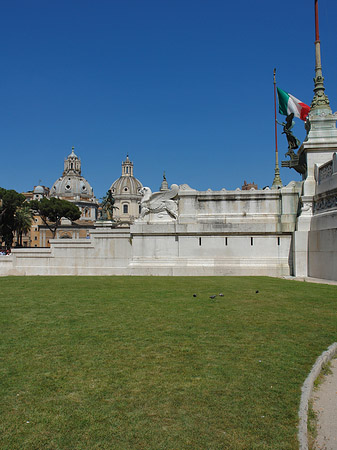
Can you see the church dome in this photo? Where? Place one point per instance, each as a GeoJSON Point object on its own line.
{"type": "Point", "coordinates": [71, 185]}
{"type": "Point", "coordinates": [127, 184]}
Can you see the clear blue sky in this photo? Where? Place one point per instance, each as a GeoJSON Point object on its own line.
{"type": "Point", "coordinates": [184, 86]}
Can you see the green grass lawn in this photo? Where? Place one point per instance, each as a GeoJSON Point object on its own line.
{"type": "Point", "coordinates": [131, 363]}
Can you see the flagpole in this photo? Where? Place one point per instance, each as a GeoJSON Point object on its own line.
{"type": "Point", "coordinates": [277, 180]}
{"type": "Point", "coordinates": [316, 22]}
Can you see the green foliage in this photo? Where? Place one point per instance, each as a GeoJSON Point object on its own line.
{"type": "Point", "coordinates": [23, 222]}
{"type": "Point", "coordinates": [11, 201]}
{"type": "Point", "coordinates": [52, 210]}
{"type": "Point", "coordinates": [125, 363]}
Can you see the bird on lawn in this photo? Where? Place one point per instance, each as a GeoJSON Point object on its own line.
{"type": "Point", "coordinates": [221, 294]}
{"type": "Point", "coordinates": [212, 296]}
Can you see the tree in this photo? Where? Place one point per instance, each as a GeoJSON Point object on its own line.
{"type": "Point", "coordinates": [10, 202]}
{"type": "Point", "coordinates": [52, 210]}
{"type": "Point", "coordinates": [23, 222]}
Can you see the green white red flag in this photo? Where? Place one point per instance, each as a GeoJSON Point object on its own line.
{"type": "Point", "coordinates": [289, 104]}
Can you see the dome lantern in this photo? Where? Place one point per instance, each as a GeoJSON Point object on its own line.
{"type": "Point", "coordinates": [72, 164]}
{"type": "Point", "coordinates": [127, 167]}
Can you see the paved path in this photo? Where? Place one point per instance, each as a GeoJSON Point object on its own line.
{"type": "Point", "coordinates": [325, 405]}
{"type": "Point", "coordinates": [325, 398]}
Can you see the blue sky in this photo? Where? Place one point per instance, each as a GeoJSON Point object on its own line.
{"type": "Point", "coordinates": [184, 86]}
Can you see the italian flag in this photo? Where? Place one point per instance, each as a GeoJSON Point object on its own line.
{"type": "Point", "coordinates": [289, 104]}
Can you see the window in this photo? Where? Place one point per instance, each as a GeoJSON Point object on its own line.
{"type": "Point", "coordinates": [226, 240]}
{"type": "Point", "coordinates": [278, 241]}
{"type": "Point", "coordinates": [199, 241]}
{"type": "Point", "coordinates": [125, 209]}
{"type": "Point", "coordinates": [140, 208]}
{"type": "Point", "coordinates": [35, 238]}
{"type": "Point", "coordinates": [251, 241]}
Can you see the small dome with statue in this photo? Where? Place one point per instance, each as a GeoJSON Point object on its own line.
{"type": "Point", "coordinates": [71, 185]}
{"type": "Point", "coordinates": [39, 190]}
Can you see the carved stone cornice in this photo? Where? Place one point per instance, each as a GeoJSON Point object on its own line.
{"type": "Point", "coordinates": [325, 202]}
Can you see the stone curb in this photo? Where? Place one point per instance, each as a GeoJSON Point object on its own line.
{"type": "Point", "coordinates": [307, 389]}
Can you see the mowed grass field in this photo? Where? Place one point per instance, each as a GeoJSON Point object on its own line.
{"type": "Point", "coordinates": [131, 363]}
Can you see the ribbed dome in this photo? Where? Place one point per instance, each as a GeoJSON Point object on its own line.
{"type": "Point", "coordinates": [127, 185]}
{"type": "Point", "coordinates": [72, 186]}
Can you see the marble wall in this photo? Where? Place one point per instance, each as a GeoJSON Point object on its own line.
{"type": "Point", "coordinates": [216, 233]}
{"type": "Point", "coordinates": [322, 244]}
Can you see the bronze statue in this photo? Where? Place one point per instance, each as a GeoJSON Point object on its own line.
{"type": "Point", "coordinates": [293, 142]}
{"type": "Point", "coordinates": [108, 206]}
{"type": "Point", "coordinates": [296, 161]}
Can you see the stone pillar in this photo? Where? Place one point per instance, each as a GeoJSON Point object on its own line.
{"type": "Point", "coordinates": [318, 149]}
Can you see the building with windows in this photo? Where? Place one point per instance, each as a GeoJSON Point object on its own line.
{"type": "Point", "coordinates": [32, 237]}
{"type": "Point", "coordinates": [71, 186]}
